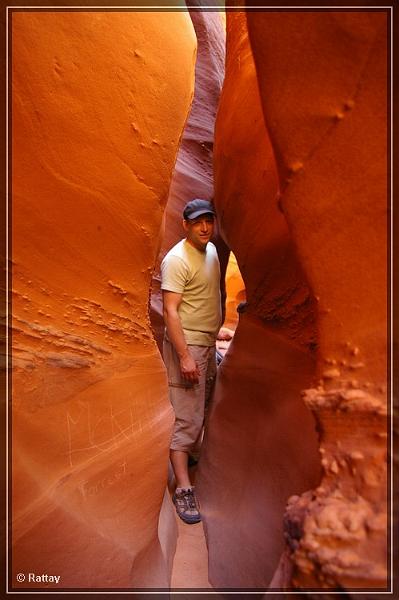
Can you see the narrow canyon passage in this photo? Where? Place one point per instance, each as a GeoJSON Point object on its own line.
{"type": "Point", "coordinates": [190, 562]}
{"type": "Point", "coordinates": [119, 118]}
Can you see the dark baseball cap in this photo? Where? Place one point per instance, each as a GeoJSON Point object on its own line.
{"type": "Point", "coordinates": [196, 208]}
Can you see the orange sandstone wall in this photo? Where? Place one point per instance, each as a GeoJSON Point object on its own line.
{"type": "Point", "coordinates": [261, 444]}
{"type": "Point", "coordinates": [235, 292]}
{"type": "Point", "coordinates": [323, 86]}
{"type": "Point", "coordinates": [99, 104]}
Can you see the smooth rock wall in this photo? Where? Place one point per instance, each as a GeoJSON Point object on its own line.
{"type": "Point", "coordinates": [261, 444]}
{"type": "Point", "coordinates": [235, 292]}
{"type": "Point", "coordinates": [323, 85]}
{"type": "Point", "coordinates": [100, 100]}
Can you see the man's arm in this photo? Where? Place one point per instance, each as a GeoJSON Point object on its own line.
{"type": "Point", "coordinates": [188, 366]}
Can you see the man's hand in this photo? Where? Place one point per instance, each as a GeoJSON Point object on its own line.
{"type": "Point", "coordinates": [225, 334]}
{"type": "Point", "coordinates": [189, 368]}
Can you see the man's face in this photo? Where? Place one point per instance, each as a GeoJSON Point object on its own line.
{"type": "Point", "coordinates": [199, 231]}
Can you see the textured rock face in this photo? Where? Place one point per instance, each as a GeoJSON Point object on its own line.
{"type": "Point", "coordinates": [322, 83]}
{"type": "Point", "coordinates": [193, 174]}
{"type": "Point", "coordinates": [99, 107]}
{"type": "Point", "coordinates": [261, 444]}
{"type": "Point", "coordinates": [98, 110]}
{"type": "Point", "coordinates": [322, 79]}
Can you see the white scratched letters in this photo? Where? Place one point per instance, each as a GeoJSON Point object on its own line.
{"type": "Point", "coordinates": [102, 433]}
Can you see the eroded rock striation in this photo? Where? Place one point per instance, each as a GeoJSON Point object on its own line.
{"type": "Point", "coordinates": [322, 79]}
{"type": "Point", "coordinates": [98, 112]}
{"type": "Point", "coordinates": [261, 443]}
{"type": "Point", "coordinates": [99, 109]}
{"type": "Point", "coordinates": [305, 214]}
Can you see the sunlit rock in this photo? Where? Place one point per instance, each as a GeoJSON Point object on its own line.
{"type": "Point", "coordinates": [100, 100]}
{"type": "Point", "coordinates": [261, 444]}
{"type": "Point", "coordinates": [323, 84]}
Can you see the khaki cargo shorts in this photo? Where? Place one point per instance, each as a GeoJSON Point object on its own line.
{"type": "Point", "coordinates": [189, 401]}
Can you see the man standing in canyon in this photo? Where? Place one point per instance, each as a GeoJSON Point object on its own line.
{"type": "Point", "coordinates": [193, 316]}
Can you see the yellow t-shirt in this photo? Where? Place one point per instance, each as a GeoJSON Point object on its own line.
{"type": "Point", "coordinates": [196, 275]}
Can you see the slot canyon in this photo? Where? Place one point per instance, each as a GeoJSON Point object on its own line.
{"type": "Point", "coordinates": [118, 119]}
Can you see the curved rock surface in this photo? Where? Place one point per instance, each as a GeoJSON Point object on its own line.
{"type": "Point", "coordinates": [99, 104]}
{"type": "Point", "coordinates": [235, 292]}
{"type": "Point", "coordinates": [323, 85]}
{"type": "Point", "coordinates": [261, 444]}
{"type": "Point", "coordinates": [99, 109]}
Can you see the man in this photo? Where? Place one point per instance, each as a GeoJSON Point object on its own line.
{"type": "Point", "coordinates": [192, 315]}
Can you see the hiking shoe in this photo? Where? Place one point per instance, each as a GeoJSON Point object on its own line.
{"type": "Point", "coordinates": [186, 505]}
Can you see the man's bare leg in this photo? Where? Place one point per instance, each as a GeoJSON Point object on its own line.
{"type": "Point", "coordinates": [179, 459]}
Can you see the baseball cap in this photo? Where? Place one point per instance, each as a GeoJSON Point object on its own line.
{"type": "Point", "coordinates": [196, 208]}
